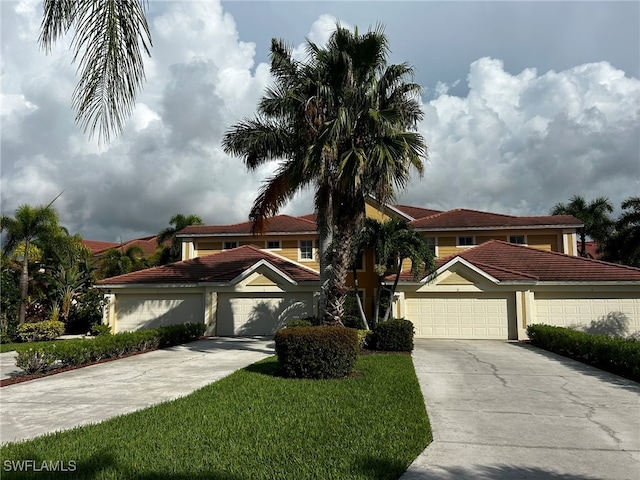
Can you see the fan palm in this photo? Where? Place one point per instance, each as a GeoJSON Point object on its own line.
{"type": "Point", "coordinates": [342, 122]}
{"type": "Point", "coordinates": [27, 226]}
{"type": "Point", "coordinates": [594, 215]}
{"type": "Point", "coordinates": [109, 37]}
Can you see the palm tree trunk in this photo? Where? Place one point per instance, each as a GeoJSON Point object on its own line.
{"type": "Point", "coordinates": [393, 290]}
{"type": "Point", "coordinates": [358, 300]}
{"type": "Point", "coordinates": [24, 284]}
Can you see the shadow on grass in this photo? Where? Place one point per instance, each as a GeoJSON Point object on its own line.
{"type": "Point", "coordinates": [583, 368]}
{"type": "Point", "coordinates": [376, 468]}
{"type": "Point", "coordinates": [270, 368]}
{"type": "Point", "coordinates": [491, 472]}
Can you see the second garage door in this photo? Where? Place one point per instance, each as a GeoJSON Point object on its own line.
{"type": "Point", "coordinates": [459, 316]}
{"type": "Point", "coordinates": [247, 314]}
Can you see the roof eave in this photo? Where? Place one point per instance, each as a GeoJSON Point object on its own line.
{"type": "Point", "coordinates": [492, 227]}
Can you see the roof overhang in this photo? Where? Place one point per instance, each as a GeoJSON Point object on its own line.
{"type": "Point", "coordinates": [208, 235]}
{"type": "Point", "coordinates": [489, 227]}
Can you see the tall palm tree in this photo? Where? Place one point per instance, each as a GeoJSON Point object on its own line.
{"type": "Point", "coordinates": [108, 40]}
{"type": "Point", "coordinates": [624, 244]}
{"type": "Point", "coordinates": [594, 215]}
{"type": "Point", "coordinates": [27, 226]}
{"type": "Point", "coordinates": [118, 261]}
{"type": "Point", "coordinates": [343, 122]}
{"type": "Point", "coordinates": [177, 222]}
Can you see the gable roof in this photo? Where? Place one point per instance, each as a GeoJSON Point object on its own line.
{"type": "Point", "coordinates": [223, 267]}
{"type": "Point", "coordinates": [147, 244]}
{"type": "Point", "coordinates": [416, 212]}
{"type": "Point", "coordinates": [277, 224]}
{"type": "Point", "coordinates": [508, 262]}
{"type": "Point", "coordinates": [97, 246]}
{"type": "Point", "coordinates": [463, 218]}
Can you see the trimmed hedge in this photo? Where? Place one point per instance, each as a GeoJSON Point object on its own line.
{"type": "Point", "coordinates": [40, 331]}
{"type": "Point", "coordinates": [317, 352]}
{"type": "Point", "coordinates": [80, 351]}
{"type": "Point", "coordinates": [617, 355]}
{"type": "Point", "coordinates": [393, 336]}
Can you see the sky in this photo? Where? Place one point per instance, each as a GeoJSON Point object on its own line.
{"type": "Point", "coordinates": [525, 104]}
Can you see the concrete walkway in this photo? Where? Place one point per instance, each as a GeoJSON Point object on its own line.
{"type": "Point", "coordinates": [510, 411]}
{"type": "Point", "coordinates": [96, 393]}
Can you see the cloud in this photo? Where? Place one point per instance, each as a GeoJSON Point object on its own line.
{"type": "Point", "coordinates": [521, 143]}
{"type": "Point", "coordinates": [515, 143]}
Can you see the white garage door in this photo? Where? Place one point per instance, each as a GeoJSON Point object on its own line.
{"type": "Point", "coordinates": [248, 314]}
{"type": "Point", "coordinates": [597, 315]}
{"type": "Point", "coordinates": [459, 316]}
{"type": "Point", "coordinates": [138, 311]}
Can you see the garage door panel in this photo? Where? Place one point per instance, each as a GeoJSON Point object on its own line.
{"type": "Point", "coordinates": [136, 312]}
{"type": "Point", "coordinates": [459, 316]}
{"type": "Point", "coordinates": [250, 315]}
{"type": "Point", "coordinates": [588, 313]}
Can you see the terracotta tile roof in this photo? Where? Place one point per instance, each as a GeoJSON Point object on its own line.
{"type": "Point", "coordinates": [473, 219]}
{"type": "Point", "coordinates": [98, 246]}
{"type": "Point", "coordinates": [530, 263]}
{"type": "Point", "coordinates": [277, 224]}
{"type": "Point", "coordinates": [416, 212]}
{"type": "Point", "coordinates": [312, 217]}
{"type": "Point", "coordinates": [221, 267]}
{"type": "Point", "coordinates": [147, 244]}
{"type": "Point", "coordinates": [591, 249]}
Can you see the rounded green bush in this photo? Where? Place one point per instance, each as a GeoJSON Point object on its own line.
{"type": "Point", "coordinates": [298, 322]}
{"type": "Point", "coordinates": [317, 352]}
{"type": "Point", "coordinates": [393, 336]}
{"type": "Point", "coordinates": [40, 331]}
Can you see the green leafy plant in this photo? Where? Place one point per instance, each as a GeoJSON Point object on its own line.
{"type": "Point", "coordinates": [40, 331]}
{"type": "Point", "coordinates": [393, 336]}
{"type": "Point", "coordinates": [100, 329]}
{"type": "Point", "coordinates": [614, 354]}
{"type": "Point", "coordinates": [35, 360]}
{"type": "Point", "coordinates": [298, 322]}
{"type": "Point", "coordinates": [311, 352]}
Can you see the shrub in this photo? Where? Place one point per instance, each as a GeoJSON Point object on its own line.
{"type": "Point", "coordinates": [393, 336]}
{"type": "Point", "coordinates": [614, 354]}
{"type": "Point", "coordinates": [35, 360]}
{"type": "Point", "coordinates": [101, 329]}
{"type": "Point", "coordinates": [85, 350]}
{"type": "Point", "coordinates": [40, 331]}
{"type": "Point", "coordinates": [309, 352]}
{"type": "Point", "coordinates": [353, 321]}
{"type": "Point", "coordinates": [364, 338]}
{"type": "Point", "coordinates": [299, 322]}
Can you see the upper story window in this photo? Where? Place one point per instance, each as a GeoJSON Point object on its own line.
{"type": "Point", "coordinates": [273, 244]}
{"type": "Point", "coordinates": [306, 250]}
{"type": "Point", "coordinates": [230, 245]}
{"type": "Point", "coordinates": [519, 239]}
{"type": "Point", "coordinates": [431, 243]}
{"type": "Point", "coordinates": [466, 241]}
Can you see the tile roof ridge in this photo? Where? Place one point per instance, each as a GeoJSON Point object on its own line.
{"type": "Point", "coordinates": [301, 217]}
{"type": "Point", "coordinates": [481, 211]}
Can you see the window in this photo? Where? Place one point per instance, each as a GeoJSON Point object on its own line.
{"type": "Point", "coordinates": [466, 241]}
{"type": "Point", "coordinates": [306, 250]}
{"type": "Point", "coordinates": [431, 243]}
{"type": "Point", "coordinates": [230, 245]}
{"type": "Point", "coordinates": [519, 239]}
{"type": "Point", "coordinates": [273, 244]}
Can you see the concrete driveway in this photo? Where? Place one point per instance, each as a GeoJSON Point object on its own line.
{"type": "Point", "coordinates": [503, 410]}
{"type": "Point", "coordinates": [96, 393]}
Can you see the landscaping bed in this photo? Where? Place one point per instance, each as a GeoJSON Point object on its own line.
{"type": "Point", "coordinates": [255, 424]}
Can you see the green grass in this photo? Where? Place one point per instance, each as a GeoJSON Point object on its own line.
{"type": "Point", "coordinates": [9, 347]}
{"type": "Point", "coordinates": [255, 425]}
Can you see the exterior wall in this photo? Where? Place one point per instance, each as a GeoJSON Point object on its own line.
{"type": "Point", "coordinates": [548, 242]}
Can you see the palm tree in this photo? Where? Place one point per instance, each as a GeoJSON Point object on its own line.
{"type": "Point", "coordinates": [393, 242]}
{"type": "Point", "coordinates": [117, 261]}
{"type": "Point", "coordinates": [624, 244]}
{"type": "Point", "coordinates": [178, 222]}
{"type": "Point", "coordinates": [107, 41]}
{"type": "Point", "coordinates": [594, 215]}
{"type": "Point", "coordinates": [343, 122]}
{"type": "Point", "coordinates": [28, 226]}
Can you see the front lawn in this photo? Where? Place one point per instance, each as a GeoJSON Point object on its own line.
{"type": "Point", "coordinates": [254, 425]}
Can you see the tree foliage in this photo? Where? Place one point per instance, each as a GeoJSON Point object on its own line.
{"type": "Point", "coordinates": [624, 244]}
{"type": "Point", "coordinates": [173, 253]}
{"type": "Point", "coordinates": [342, 122]}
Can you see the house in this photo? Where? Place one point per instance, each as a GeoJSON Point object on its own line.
{"type": "Point", "coordinates": [495, 276]}
{"type": "Point", "coordinates": [99, 248]}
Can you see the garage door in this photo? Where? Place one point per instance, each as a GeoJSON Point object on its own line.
{"type": "Point", "coordinates": [459, 316]}
{"type": "Point", "coordinates": [600, 315]}
{"type": "Point", "coordinates": [249, 314]}
{"type": "Point", "coordinates": [135, 312]}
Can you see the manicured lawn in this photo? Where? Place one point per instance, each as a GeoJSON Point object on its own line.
{"type": "Point", "coordinates": [254, 425]}
{"type": "Point", "coordinates": [9, 347]}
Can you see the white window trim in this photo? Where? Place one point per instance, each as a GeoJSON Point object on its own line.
{"type": "Point", "coordinates": [473, 239]}
{"type": "Point", "coordinates": [313, 252]}
{"type": "Point", "coordinates": [435, 249]}
{"type": "Point", "coordinates": [224, 244]}
{"type": "Point", "coordinates": [526, 241]}
{"type": "Point", "coordinates": [267, 247]}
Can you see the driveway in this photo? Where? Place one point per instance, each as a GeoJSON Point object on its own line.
{"type": "Point", "coordinates": [96, 393]}
{"type": "Point", "coordinates": [503, 410]}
